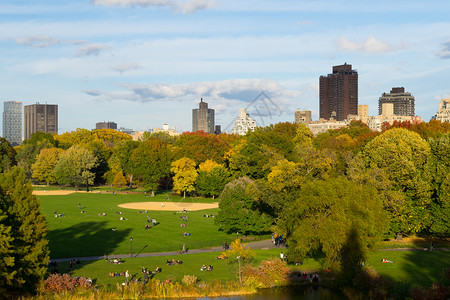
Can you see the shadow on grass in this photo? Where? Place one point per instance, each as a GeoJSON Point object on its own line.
{"type": "Point", "coordinates": [419, 267]}
{"type": "Point", "coordinates": [85, 239]}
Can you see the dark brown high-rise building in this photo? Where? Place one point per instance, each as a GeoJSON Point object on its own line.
{"type": "Point", "coordinates": [203, 118]}
{"type": "Point", "coordinates": [40, 118]}
{"type": "Point", "coordinates": [338, 94]}
{"type": "Point", "coordinates": [403, 102]}
{"type": "Point", "coordinates": [106, 125]}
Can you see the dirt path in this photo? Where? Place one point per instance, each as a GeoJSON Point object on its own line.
{"type": "Point", "coordinates": [169, 206]}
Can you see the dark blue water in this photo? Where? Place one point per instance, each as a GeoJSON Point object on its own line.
{"type": "Point", "coordinates": [290, 293]}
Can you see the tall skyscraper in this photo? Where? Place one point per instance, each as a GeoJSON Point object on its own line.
{"type": "Point", "coordinates": [203, 118]}
{"type": "Point", "coordinates": [12, 122]}
{"type": "Point", "coordinates": [403, 102]}
{"type": "Point", "coordinates": [106, 125]}
{"type": "Point", "coordinates": [338, 94]}
{"type": "Point", "coordinates": [40, 118]}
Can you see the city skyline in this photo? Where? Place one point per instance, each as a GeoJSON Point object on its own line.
{"type": "Point", "coordinates": [145, 63]}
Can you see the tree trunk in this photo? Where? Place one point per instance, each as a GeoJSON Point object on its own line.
{"type": "Point", "coordinates": [131, 180]}
{"type": "Point", "coordinates": [184, 194]}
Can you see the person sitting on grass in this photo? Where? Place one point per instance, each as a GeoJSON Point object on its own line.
{"type": "Point", "coordinates": [179, 262]}
{"type": "Point", "coordinates": [168, 262]}
{"type": "Point", "coordinates": [147, 226]}
{"type": "Point", "coordinates": [203, 268]}
{"type": "Point", "coordinates": [384, 260]}
{"type": "Point", "coordinates": [210, 268]}
{"type": "Point", "coordinates": [158, 270]}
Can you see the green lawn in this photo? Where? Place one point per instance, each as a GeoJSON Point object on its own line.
{"type": "Point", "coordinates": [87, 234]}
{"type": "Point", "coordinates": [222, 269]}
{"type": "Point", "coordinates": [411, 267]}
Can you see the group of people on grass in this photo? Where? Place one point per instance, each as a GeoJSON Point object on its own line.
{"type": "Point", "coordinates": [206, 268]}
{"type": "Point", "coordinates": [116, 261]}
{"type": "Point", "coordinates": [173, 262]}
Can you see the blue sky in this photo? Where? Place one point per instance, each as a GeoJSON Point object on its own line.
{"type": "Point", "coordinates": [144, 63]}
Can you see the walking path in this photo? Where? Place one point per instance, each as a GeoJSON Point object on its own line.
{"type": "Point", "coordinates": [262, 245]}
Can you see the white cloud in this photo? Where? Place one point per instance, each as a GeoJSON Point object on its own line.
{"type": "Point", "coordinates": [122, 68]}
{"type": "Point", "coordinates": [184, 6]}
{"type": "Point", "coordinates": [445, 52]}
{"type": "Point", "coordinates": [243, 90]}
{"type": "Point", "coordinates": [92, 49]}
{"type": "Point", "coordinates": [370, 45]}
{"type": "Point", "coordinates": [38, 41]}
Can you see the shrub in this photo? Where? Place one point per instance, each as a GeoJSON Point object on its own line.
{"type": "Point", "coordinates": [59, 283]}
{"type": "Point", "coordinates": [269, 273]}
{"type": "Point", "coordinates": [189, 280]}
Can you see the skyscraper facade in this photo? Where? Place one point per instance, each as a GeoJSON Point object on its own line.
{"type": "Point", "coordinates": [40, 118]}
{"type": "Point", "coordinates": [203, 118]}
{"type": "Point", "coordinates": [243, 123]}
{"type": "Point", "coordinates": [12, 122]}
{"type": "Point", "coordinates": [303, 116]}
{"type": "Point", "coordinates": [106, 125]}
{"type": "Point", "coordinates": [403, 102]}
{"type": "Point", "coordinates": [338, 93]}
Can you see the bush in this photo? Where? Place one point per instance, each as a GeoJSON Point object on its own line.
{"type": "Point", "coordinates": [59, 283]}
{"type": "Point", "coordinates": [189, 280]}
{"type": "Point", "coordinates": [269, 273]}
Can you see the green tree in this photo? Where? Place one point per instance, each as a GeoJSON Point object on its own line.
{"type": "Point", "coordinates": [75, 166]}
{"type": "Point", "coordinates": [438, 173]}
{"type": "Point", "coordinates": [212, 178]}
{"type": "Point", "coordinates": [394, 162]}
{"type": "Point", "coordinates": [327, 214]}
{"type": "Point", "coordinates": [151, 161]}
{"type": "Point", "coordinates": [45, 164]}
{"type": "Point", "coordinates": [185, 175]}
{"type": "Point", "coordinates": [27, 152]}
{"type": "Point", "coordinates": [121, 160]}
{"type": "Point", "coordinates": [24, 253]}
{"type": "Point", "coordinates": [262, 148]}
{"type": "Point", "coordinates": [7, 155]}
{"type": "Point", "coordinates": [102, 152]}
{"type": "Point", "coordinates": [239, 212]}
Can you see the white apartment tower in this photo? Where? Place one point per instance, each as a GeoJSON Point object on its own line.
{"type": "Point", "coordinates": [244, 123]}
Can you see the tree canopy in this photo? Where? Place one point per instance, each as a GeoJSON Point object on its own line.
{"type": "Point", "coordinates": [23, 247]}
{"type": "Point", "coordinates": [324, 216]}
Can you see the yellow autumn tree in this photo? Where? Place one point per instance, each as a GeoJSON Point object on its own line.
{"type": "Point", "coordinates": [185, 175]}
{"type": "Point", "coordinates": [46, 161]}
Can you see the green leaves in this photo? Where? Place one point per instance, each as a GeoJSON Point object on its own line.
{"type": "Point", "coordinates": [24, 254]}
{"type": "Point", "coordinates": [75, 165]}
{"type": "Point", "coordinates": [239, 212]}
{"type": "Point", "coordinates": [326, 213]}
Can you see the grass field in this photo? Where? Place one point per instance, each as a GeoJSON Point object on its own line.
{"type": "Point", "coordinates": [222, 269]}
{"type": "Point", "coordinates": [86, 234]}
{"type": "Point", "coordinates": [411, 267]}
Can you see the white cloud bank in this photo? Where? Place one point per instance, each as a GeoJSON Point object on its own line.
{"type": "Point", "coordinates": [183, 6]}
{"type": "Point", "coordinates": [370, 45]}
{"type": "Point", "coordinates": [244, 90]}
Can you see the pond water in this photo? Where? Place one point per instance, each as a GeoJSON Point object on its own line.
{"type": "Point", "coordinates": [290, 293]}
